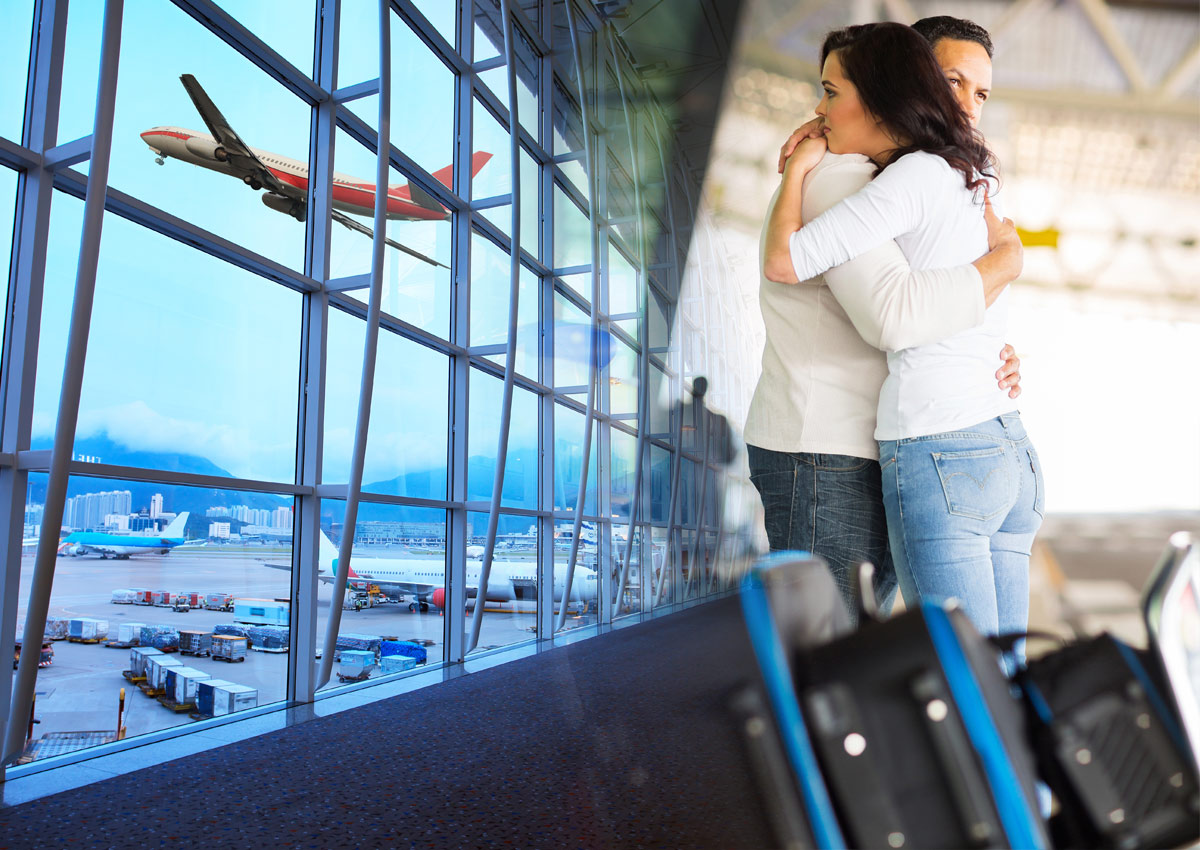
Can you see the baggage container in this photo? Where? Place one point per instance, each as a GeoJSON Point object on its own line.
{"type": "Point", "coordinates": [231, 629]}
{"type": "Point", "coordinates": [190, 597]}
{"type": "Point", "coordinates": [141, 596]}
{"type": "Point", "coordinates": [124, 596]}
{"type": "Point", "coordinates": [268, 638]}
{"type": "Point", "coordinates": [87, 628]}
{"type": "Point", "coordinates": [349, 640]}
{"type": "Point", "coordinates": [356, 663]}
{"type": "Point", "coordinates": [227, 698]}
{"type": "Point", "coordinates": [229, 647]}
{"type": "Point", "coordinates": [182, 681]}
{"type": "Point", "coordinates": [195, 642]}
{"type": "Point", "coordinates": [165, 638]}
{"type": "Point", "coordinates": [129, 632]}
{"type": "Point", "coordinates": [162, 598]}
{"type": "Point", "coordinates": [218, 601]}
{"type": "Point", "coordinates": [903, 733]}
{"type": "Point", "coordinates": [57, 628]}
{"type": "Point", "coordinates": [156, 670]}
{"type": "Point", "coordinates": [266, 612]}
{"type": "Point", "coordinates": [404, 647]}
{"type": "Point", "coordinates": [396, 663]}
{"type": "Point", "coordinates": [138, 656]}
{"type": "Point", "coordinates": [204, 695]}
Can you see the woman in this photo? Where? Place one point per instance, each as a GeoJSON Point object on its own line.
{"type": "Point", "coordinates": [961, 481]}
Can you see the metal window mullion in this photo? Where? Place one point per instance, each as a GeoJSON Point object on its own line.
{"type": "Point", "coordinates": [592, 156]}
{"type": "Point", "coordinates": [546, 404]}
{"type": "Point", "coordinates": [510, 360]}
{"type": "Point", "coordinates": [27, 272]}
{"type": "Point", "coordinates": [314, 345]}
{"type": "Point", "coordinates": [370, 345]}
{"type": "Point", "coordinates": [68, 410]}
{"type": "Point", "coordinates": [643, 354]}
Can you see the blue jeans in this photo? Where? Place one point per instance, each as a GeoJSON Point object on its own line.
{"type": "Point", "coordinates": [832, 506]}
{"type": "Point", "coordinates": [963, 508]}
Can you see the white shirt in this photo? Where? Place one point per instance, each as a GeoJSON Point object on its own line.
{"type": "Point", "coordinates": [821, 374]}
{"type": "Point", "coordinates": [922, 203]}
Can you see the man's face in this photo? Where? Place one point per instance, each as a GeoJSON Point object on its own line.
{"type": "Point", "coordinates": [968, 69]}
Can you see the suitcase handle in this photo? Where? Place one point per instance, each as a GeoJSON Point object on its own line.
{"type": "Point", "coordinates": [957, 758]}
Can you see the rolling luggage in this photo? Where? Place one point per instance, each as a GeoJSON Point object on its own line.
{"type": "Point", "coordinates": [903, 733]}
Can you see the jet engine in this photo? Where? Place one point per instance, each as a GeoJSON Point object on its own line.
{"type": "Point", "coordinates": [282, 203]}
{"type": "Point", "coordinates": [206, 148]}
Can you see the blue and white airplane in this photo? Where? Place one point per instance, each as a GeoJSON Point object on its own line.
{"type": "Point", "coordinates": [124, 545]}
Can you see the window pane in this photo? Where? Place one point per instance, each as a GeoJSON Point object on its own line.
{"type": "Point", "coordinates": [8, 203]}
{"type": "Point", "coordinates": [622, 290]}
{"type": "Point", "coordinates": [568, 138]}
{"type": "Point", "coordinates": [406, 453]}
{"type": "Point", "coordinates": [501, 216]}
{"type": "Point", "coordinates": [286, 25]}
{"type": "Point", "coordinates": [489, 37]}
{"type": "Point", "coordinates": [573, 335]}
{"type": "Point", "coordinates": [422, 87]}
{"type": "Point", "coordinates": [660, 580]}
{"type": "Point", "coordinates": [572, 234]}
{"type": "Point", "coordinates": [568, 461]}
{"type": "Point", "coordinates": [114, 585]}
{"type": "Point", "coordinates": [510, 612]}
{"type": "Point", "coordinates": [490, 273]}
{"type": "Point", "coordinates": [623, 461]}
{"type": "Point", "coordinates": [491, 137]}
{"type": "Point", "coordinates": [496, 79]}
{"type": "Point", "coordinates": [183, 370]}
{"type": "Point", "coordinates": [660, 484]}
{"type": "Point", "coordinates": [630, 601]}
{"type": "Point", "coordinates": [582, 607]}
{"type": "Point", "coordinates": [440, 13]}
{"type": "Point", "coordinates": [415, 289]}
{"type": "Point", "coordinates": [521, 465]}
{"type": "Point", "coordinates": [396, 592]}
{"type": "Point", "coordinates": [16, 24]}
{"type": "Point", "coordinates": [660, 402]}
{"type": "Point", "coordinates": [622, 379]}
{"type": "Point", "coordinates": [244, 197]}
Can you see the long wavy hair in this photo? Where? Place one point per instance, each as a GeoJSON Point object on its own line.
{"type": "Point", "coordinates": [901, 84]}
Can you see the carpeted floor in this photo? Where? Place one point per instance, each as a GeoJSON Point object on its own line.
{"type": "Point", "coordinates": [622, 741]}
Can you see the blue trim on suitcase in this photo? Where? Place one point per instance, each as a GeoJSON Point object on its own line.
{"type": "Point", "coordinates": [1152, 694]}
{"type": "Point", "coordinates": [772, 662]}
{"type": "Point", "coordinates": [1016, 815]}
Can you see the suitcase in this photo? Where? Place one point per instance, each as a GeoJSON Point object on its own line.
{"type": "Point", "coordinates": [904, 733]}
{"type": "Point", "coordinates": [1111, 749]}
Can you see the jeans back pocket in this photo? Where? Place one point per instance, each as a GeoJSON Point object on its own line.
{"type": "Point", "coordinates": [975, 482]}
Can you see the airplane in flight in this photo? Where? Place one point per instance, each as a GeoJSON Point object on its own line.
{"type": "Point", "coordinates": [425, 580]}
{"type": "Point", "coordinates": [123, 545]}
{"type": "Point", "coordinates": [286, 180]}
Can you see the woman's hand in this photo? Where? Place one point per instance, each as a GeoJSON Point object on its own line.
{"type": "Point", "coordinates": [812, 130]}
{"type": "Point", "coordinates": [805, 157]}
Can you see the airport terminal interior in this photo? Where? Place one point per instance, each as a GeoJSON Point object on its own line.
{"type": "Point", "coordinates": [333, 517]}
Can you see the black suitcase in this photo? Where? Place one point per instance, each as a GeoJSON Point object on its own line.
{"type": "Point", "coordinates": [904, 733]}
{"type": "Point", "coordinates": [1110, 747]}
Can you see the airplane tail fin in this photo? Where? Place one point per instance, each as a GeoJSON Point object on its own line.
{"type": "Point", "coordinates": [175, 529]}
{"type": "Point", "coordinates": [445, 175]}
{"type": "Point", "coordinates": [328, 554]}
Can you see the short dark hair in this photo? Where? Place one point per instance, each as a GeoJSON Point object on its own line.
{"type": "Point", "coordinates": [943, 26]}
{"type": "Point", "coordinates": [915, 105]}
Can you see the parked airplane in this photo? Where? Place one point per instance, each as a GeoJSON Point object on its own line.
{"type": "Point", "coordinates": [286, 180]}
{"type": "Point", "coordinates": [124, 545]}
{"type": "Point", "coordinates": [425, 580]}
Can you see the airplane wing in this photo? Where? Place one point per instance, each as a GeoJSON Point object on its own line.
{"type": "Point", "coordinates": [237, 152]}
{"type": "Point", "coordinates": [353, 224]}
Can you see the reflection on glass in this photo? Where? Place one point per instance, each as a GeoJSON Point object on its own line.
{"type": "Point", "coordinates": [630, 601]}
{"type": "Point", "coordinates": [521, 466]}
{"type": "Point", "coordinates": [568, 138]}
{"type": "Point", "coordinates": [622, 204]}
{"type": "Point", "coordinates": [416, 265]}
{"type": "Point", "coordinates": [510, 610]}
{"type": "Point", "coordinates": [148, 567]}
{"type": "Point", "coordinates": [490, 136]}
{"type": "Point", "coordinates": [623, 454]}
{"type": "Point", "coordinates": [422, 85]}
{"type": "Point", "coordinates": [501, 216]}
{"type": "Point", "coordinates": [393, 609]}
{"type": "Point", "coordinates": [158, 391]}
{"type": "Point", "coordinates": [487, 30]}
{"type": "Point", "coordinates": [572, 234]}
{"type": "Point", "coordinates": [286, 25]}
{"type": "Point", "coordinates": [16, 24]}
{"type": "Point", "coordinates": [622, 290]}
{"type": "Point", "coordinates": [490, 271]}
{"type": "Point", "coordinates": [659, 331]}
{"type": "Point", "coordinates": [573, 335]}
{"type": "Point", "coordinates": [659, 399]}
{"type": "Point", "coordinates": [406, 450]}
{"type": "Point", "coordinates": [583, 603]}
{"type": "Point", "coordinates": [441, 15]}
{"type": "Point", "coordinates": [661, 586]}
{"type": "Point", "coordinates": [568, 461]}
{"type": "Point", "coordinates": [660, 484]}
{"type": "Point", "coordinates": [622, 380]}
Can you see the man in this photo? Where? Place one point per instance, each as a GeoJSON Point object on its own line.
{"type": "Point", "coordinates": [810, 430]}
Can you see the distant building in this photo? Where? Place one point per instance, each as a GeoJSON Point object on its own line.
{"type": "Point", "coordinates": [218, 530]}
{"type": "Point", "coordinates": [87, 511]}
{"type": "Point", "coordinates": [156, 505]}
{"type": "Point", "coordinates": [116, 522]}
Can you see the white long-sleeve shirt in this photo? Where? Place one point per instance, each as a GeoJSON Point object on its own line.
{"type": "Point", "coordinates": [821, 374]}
{"type": "Point", "coordinates": [921, 203]}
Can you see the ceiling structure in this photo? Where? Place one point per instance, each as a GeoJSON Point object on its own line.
{"type": "Point", "coordinates": [1094, 115]}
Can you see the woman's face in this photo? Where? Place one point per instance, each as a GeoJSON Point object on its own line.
{"type": "Point", "coordinates": [849, 127]}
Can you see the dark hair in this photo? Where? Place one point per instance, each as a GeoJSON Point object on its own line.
{"type": "Point", "coordinates": [938, 27]}
{"type": "Point", "coordinates": [901, 84]}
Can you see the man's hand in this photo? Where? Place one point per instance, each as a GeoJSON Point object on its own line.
{"type": "Point", "coordinates": [1009, 375]}
{"type": "Point", "coordinates": [1005, 258]}
{"type": "Point", "coordinates": [813, 129]}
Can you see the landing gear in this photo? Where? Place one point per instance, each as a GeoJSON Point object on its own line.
{"type": "Point", "coordinates": [253, 182]}
{"type": "Point", "coordinates": [423, 606]}
{"type": "Point", "coordinates": [160, 160]}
